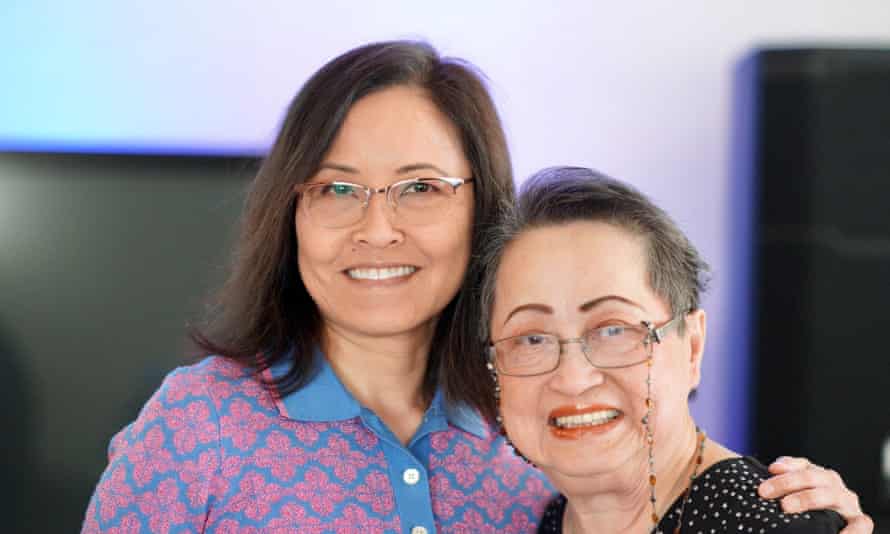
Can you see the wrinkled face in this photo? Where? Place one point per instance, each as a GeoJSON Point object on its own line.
{"type": "Point", "coordinates": [579, 420]}
{"type": "Point", "coordinates": [380, 277]}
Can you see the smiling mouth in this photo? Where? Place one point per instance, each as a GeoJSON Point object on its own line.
{"type": "Point", "coordinates": [589, 419]}
{"type": "Point", "coordinates": [382, 273]}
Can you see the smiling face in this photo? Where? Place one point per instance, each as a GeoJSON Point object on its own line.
{"type": "Point", "coordinates": [379, 276]}
{"type": "Point", "coordinates": [579, 420]}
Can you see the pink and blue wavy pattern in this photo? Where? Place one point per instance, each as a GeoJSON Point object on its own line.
{"type": "Point", "coordinates": [212, 452]}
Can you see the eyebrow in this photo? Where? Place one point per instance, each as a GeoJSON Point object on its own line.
{"type": "Point", "coordinates": [586, 307]}
{"type": "Point", "coordinates": [420, 167]}
{"type": "Point", "coordinates": [401, 170]}
{"type": "Point", "coordinates": [542, 308]}
{"type": "Point", "coordinates": [589, 305]}
{"type": "Point", "coordinates": [338, 167]}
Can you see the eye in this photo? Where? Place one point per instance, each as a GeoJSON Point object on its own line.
{"type": "Point", "coordinates": [531, 340]}
{"type": "Point", "coordinates": [338, 189]}
{"type": "Point", "coordinates": [614, 339]}
{"type": "Point", "coordinates": [420, 186]}
{"type": "Point", "coordinates": [612, 331]}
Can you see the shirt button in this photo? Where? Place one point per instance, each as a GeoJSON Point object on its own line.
{"type": "Point", "coordinates": [411, 476]}
{"type": "Point", "coordinates": [418, 530]}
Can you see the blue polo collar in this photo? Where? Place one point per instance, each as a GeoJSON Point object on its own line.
{"type": "Point", "coordinates": [325, 399]}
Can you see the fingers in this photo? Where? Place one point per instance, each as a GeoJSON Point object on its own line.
{"type": "Point", "coordinates": [784, 464]}
{"type": "Point", "coordinates": [794, 479]}
{"type": "Point", "coordinates": [813, 499]}
{"type": "Point", "coordinates": [811, 488]}
{"type": "Point", "coordinates": [859, 525]}
{"type": "Point", "coordinates": [803, 486]}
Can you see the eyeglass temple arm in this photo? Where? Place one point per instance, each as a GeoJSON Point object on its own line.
{"type": "Point", "coordinates": [659, 333]}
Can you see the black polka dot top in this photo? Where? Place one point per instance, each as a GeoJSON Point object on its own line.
{"type": "Point", "coordinates": [724, 499]}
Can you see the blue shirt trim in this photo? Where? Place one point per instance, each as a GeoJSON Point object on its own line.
{"type": "Point", "coordinates": [325, 398]}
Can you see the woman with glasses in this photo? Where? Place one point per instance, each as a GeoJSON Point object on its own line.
{"type": "Point", "coordinates": [343, 392]}
{"type": "Point", "coordinates": [597, 342]}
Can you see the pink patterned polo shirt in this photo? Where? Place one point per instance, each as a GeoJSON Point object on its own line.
{"type": "Point", "coordinates": [212, 451]}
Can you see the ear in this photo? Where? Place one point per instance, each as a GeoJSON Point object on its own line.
{"type": "Point", "coordinates": [696, 328]}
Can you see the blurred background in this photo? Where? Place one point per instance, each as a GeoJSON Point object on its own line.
{"type": "Point", "coordinates": [129, 132]}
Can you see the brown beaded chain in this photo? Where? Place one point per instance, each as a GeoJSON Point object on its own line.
{"type": "Point", "coordinates": [698, 461]}
{"type": "Point", "coordinates": [650, 440]}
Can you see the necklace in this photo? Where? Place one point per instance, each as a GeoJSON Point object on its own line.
{"type": "Point", "coordinates": [701, 437]}
{"type": "Point", "coordinates": [698, 461]}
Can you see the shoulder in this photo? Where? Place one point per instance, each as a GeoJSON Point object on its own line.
{"type": "Point", "coordinates": [725, 495]}
{"type": "Point", "coordinates": [195, 404]}
{"type": "Point", "coordinates": [208, 374]}
{"type": "Point", "coordinates": [162, 466]}
{"type": "Point", "coordinates": [214, 379]}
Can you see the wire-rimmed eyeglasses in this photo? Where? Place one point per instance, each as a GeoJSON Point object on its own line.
{"type": "Point", "coordinates": [607, 347]}
{"type": "Point", "coordinates": [414, 201]}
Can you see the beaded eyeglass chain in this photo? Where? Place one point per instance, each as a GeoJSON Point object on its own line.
{"type": "Point", "coordinates": [650, 438]}
{"type": "Point", "coordinates": [698, 461]}
{"type": "Point", "coordinates": [650, 441]}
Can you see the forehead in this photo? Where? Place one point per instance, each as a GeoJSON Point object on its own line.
{"type": "Point", "coordinates": [396, 124]}
{"type": "Point", "coordinates": [566, 265]}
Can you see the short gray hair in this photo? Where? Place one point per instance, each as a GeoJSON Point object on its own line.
{"type": "Point", "coordinates": [559, 195]}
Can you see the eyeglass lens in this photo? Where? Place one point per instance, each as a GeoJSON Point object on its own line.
{"type": "Point", "coordinates": [418, 201]}
{"type": "Point", "coordinates": [611, 346]}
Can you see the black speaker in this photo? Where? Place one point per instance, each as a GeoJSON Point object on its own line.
{"type": "Point", "coordinates": [821, 162]}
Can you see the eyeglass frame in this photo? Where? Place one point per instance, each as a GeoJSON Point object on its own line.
{"type": "Point", "coordinates": [653, 335]}
{"type": "Point", "coordinates": [454, 182]}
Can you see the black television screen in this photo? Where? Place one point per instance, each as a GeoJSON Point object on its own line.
{"type": "Point", "coordinates": [104, 260]}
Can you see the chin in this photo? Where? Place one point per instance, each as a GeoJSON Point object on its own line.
{"type": "Point", "coordinates": [582, 467]}
{"type": "Point", "coordinates": [558, 471]}
{"type": "Point", "coordinates": [392, 330]}
{"type": "Point", "coordinates": [383, 323]}
{"type": "Point", "coordinates": [572, 474]}
{"type": "Point", "coordinates": [588, 455]}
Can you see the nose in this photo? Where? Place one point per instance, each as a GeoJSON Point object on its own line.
{"type": "Point", "coordinates": [575, 374]}
{"type": "Point", "coordinates": [376, 227]}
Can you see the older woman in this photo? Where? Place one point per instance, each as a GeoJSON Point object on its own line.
{"type": "Point", "coordinates": [597, 341]}
{"type": "Point", "coordinates": [342, 391]}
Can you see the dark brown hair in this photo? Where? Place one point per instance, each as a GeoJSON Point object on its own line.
{"type": "Point", "coordinates": [561, 195]}
{"type": "Point", "coordinates": [263, 313]}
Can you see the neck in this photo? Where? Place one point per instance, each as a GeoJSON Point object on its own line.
{"type": "Point", "coordinates": [618, 501]}
{"type": "Point", "coordinates": [384, 373]}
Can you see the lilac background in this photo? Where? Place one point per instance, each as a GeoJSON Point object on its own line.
{"type": "Point", "coordinates": [641, 92]}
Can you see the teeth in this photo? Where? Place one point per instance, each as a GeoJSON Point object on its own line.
{"type": "Point", "coordinates": [587, 419]}
{"type": "Point", "coordinates": [381, 274]}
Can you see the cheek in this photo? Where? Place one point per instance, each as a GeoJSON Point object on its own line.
{"type": "Point", "coordinates": [315, 248]}
{"type": "Point", "coordinates": [316, 255]}
{"type": "Point", "coordinates": [459, 232]}
{"type": "Point", "coordinates": [460, 255]}
{"type": "Point", "coordinates": [449, 250]}
{"type": "Point", "coordinates": [670, 392]}
{"type": "Point", "coordinates": [519, 408]}
{"type": "Point", "coordinates": [517, 397]}
{"type": "Point", "coordinates": [633, 388]}
{"type": "Point", "coordinates": [461, 229]}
